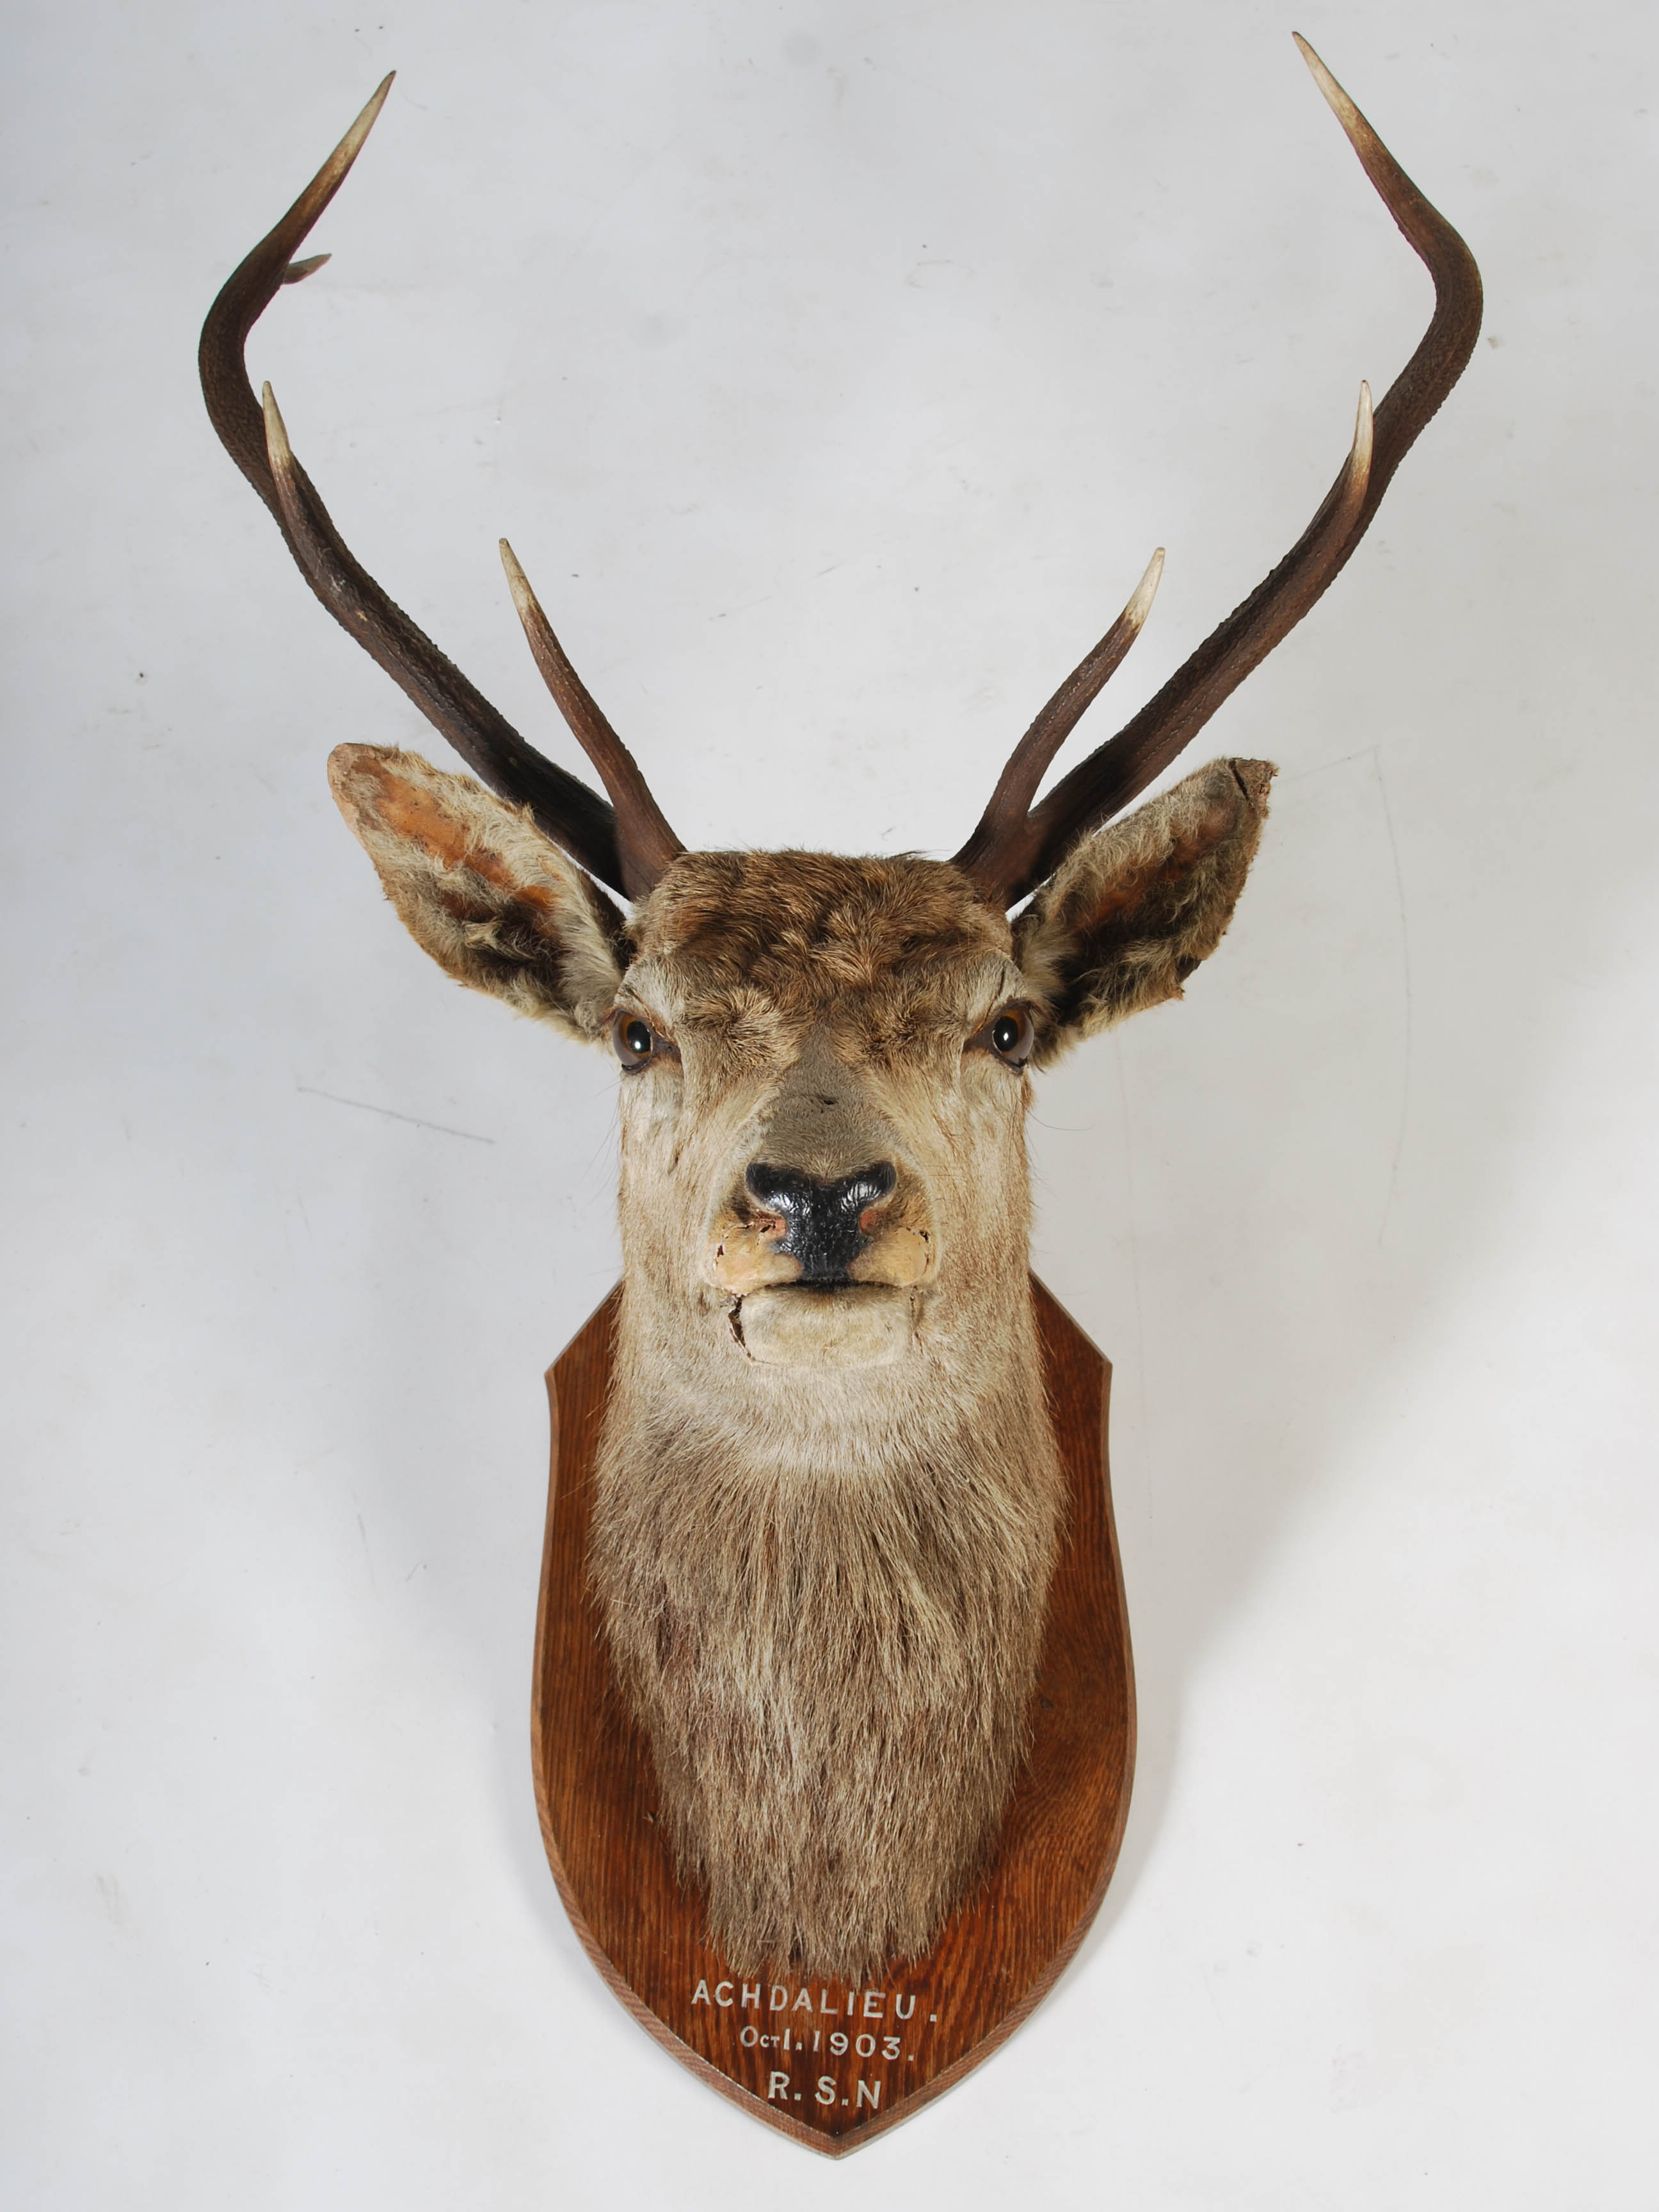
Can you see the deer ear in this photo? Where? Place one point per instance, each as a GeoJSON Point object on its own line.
{"type": "Point", "coordinates": [1132, 909]}
{"type": "Point", "coordinates": [493, 900]}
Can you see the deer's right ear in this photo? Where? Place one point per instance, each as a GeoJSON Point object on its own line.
{"type": "Point", "coordinates": [493, 900]}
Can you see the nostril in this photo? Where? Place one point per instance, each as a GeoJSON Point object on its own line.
{"type": "Point", "coordinates": [781, 1190]}
{"type": "Point", "coordinates": [867, 1188]}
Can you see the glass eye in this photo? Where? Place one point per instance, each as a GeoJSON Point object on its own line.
{"type": "Point", "coordinates": [633, 1040]}
{"type": "Point", "coordinates": [1010, 1034]}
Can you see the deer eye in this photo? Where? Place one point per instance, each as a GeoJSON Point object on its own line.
{"type": "Point", "coordinates": [1009, 1035]}
{"type": "Point", "coordinates": [634, 1041]}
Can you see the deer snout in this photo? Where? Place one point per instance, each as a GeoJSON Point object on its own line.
{"type": "Point", "coordinates": [784, 1226]}
{"type": "Point", "coordinates": [826, 1225]}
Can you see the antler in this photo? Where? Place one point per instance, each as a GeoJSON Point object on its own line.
{"type": "Point", "coordinates": [1011, 851]}
{"type": "Point", "coordinates": [644, 839]}
{"type": "Point", "coordinates": [1002, 825]}
{"type": "Point", "coordinates": [628, 847]}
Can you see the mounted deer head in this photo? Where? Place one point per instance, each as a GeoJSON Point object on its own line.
{"type": "Point", "coordinates": [829, 1495]}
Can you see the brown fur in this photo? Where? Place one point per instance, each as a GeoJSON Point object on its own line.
{"type": "Point", "coordinates": [476, 884]}
{"type": "Point", "coordinates": [824, 1585]}
{"type": "Point", "coordinates": [822, 1558]}
{"type": "Point", "coordinates": [1133, 909]}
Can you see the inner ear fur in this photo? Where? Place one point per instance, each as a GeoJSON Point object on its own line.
{"type": "Point", "coordinates": [1132, 909]}
{"type": "Point", "coordinates": [489, 896]}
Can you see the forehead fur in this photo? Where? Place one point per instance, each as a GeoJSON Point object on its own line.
{"type": "Point", "coordinates": [806, 927]}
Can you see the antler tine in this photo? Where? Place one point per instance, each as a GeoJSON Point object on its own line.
{"type": "Point", "coordinates": [996, 851]}
{"type": "Point", "coordinates": [1123, 767]}
{"type": "Point", "coordinates": [571, 814]}
{"type": "Point", "coordinates": [645, 843]}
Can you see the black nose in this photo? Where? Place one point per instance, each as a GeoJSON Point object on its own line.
{"type": "Point", "coordinates": [821, 1219]}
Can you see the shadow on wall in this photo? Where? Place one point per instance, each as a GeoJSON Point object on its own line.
{"type": "Point", "coordinates": [1267, 1203]}
{"type": "Point", "coordinates": [1229, 1169]}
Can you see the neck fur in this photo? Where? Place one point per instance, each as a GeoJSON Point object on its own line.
{"type": "Point", "coordinates": [825, 1596]}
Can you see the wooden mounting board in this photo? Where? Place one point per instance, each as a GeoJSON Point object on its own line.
{"type": "Point", "coordinates": [767, 2044]}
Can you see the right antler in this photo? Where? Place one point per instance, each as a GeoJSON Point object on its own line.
{"type": "Point", "coordinates": [628, 844]}
{"type": "Point", "coordinates": [1011, 851]}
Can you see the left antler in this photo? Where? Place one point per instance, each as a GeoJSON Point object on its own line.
{"type": "Point", "coordinates": [626, 845]}
{"type": "Point", "coordinates": [1011, 851]}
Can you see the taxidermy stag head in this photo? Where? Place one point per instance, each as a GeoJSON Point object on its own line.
{"type": "Point", "coordinates": [829, 1491]}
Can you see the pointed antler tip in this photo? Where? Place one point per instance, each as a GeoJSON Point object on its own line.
{"type": "Point", "coordinates": [281, 453]}
{"type": "Point", "coordinates": [1363, 423]}
{"type": "Point", "coordinates": [1354, 482]}
{"type": "Point", "coordinates": [1145, 591]}
{"type": "Point", "coordinates": [376, 101]}
{"type": "Point", "coordinates": [1308, 55]}
{"type": "Point", "coordinates": [1341, 105]}
{"type": "Point", "coordinates": [518, 583]}
{"type": "Point", "coordinates": [352, 144]}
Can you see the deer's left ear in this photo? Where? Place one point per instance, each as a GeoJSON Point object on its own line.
{"type": "Point", "coordinates": [1132, 909]}
{"type": "Point", "coordinates": [479, 887]}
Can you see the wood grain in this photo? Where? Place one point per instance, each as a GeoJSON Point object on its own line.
{"type": "Point", "coordinates": [998, 1955]}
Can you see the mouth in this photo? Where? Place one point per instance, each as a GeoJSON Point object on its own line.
{"type": "Point", "coordinates": [744, 1257]}
{"type": "Point", "coordinates": [838, 1325]}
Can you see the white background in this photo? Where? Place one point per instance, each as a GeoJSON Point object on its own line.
{"type": "Point", "coordinates": [834, 370]}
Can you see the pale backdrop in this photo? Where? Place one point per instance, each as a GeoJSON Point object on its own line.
{"type": "Point", "coordinates": [834, 368]}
